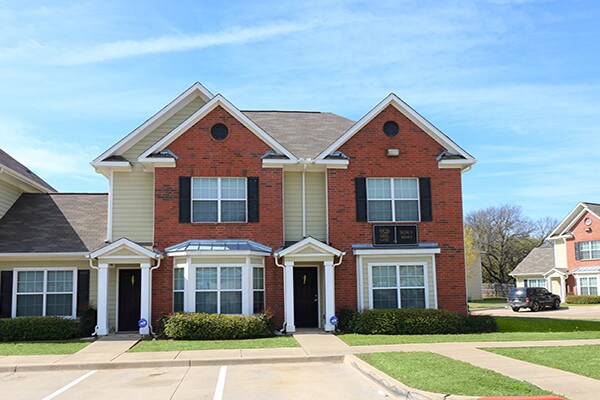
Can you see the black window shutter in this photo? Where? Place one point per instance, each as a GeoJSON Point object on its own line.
{"type": "Point", "coordinates": [83, 290]}
{"type": "Point", "coordinates": [253, 203]}
{"type": "Point", "coordinates": [361, 198]}
{"type": "Point", "coordinates": [185, 198]}
{"type": "Point", "coordinates": [6, 286]}
{"type": "Point", "coordinates": [577, 251]}
{"type": "Point", "coordinates": [425, 198]}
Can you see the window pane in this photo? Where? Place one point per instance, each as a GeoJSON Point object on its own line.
{"type": "Point", "coordinates": [584, 290]}
{"type": "Point", "coordinates": [412, 298]}
{"type": "Point", "coordinates": [593, 281]}
{"type": "Point", "coordinates": [231, 278]}
{"type": "Point", "coordinates": [231, 302]}
{"type": "Point", "coordinates": [380, 210]}
{"type": "Point", "coordinates": [593, 291]}
{"type": "Point", "coordinates": [595, 245]}
{"type": "Point", "coordinates": [206, 302]}
{"type": "Point", "coordinates": [29, 305]}
{"type": "Point", "coordinates": [385, 298]}
{"type": "Point", "coordinates": [206, 278]}
{"type": "Point", "coordinates": [379, 189]}
{"type": "Point", "coordinates": [384, 276]}
{"type": "Point", "coordinates": [233, 211]}
{"type": "Point", "coordinates": [233, 188]}
{"type": "Point", "coordinates": [258, 278]}
{"type": "Point", "coordinates": [204, 188]}
{"type": "Point", "coordinates": [258, 301]}
{"type": "Point", "coordinates": [60, 281]}
{"type": "Point", "coordinates": [178, 279]}
{"type": "Point", "coordinates": [178, 302]}
{"type": "Point", "coordinates": [412, 276]}
{"type": "Point", "coordinates": [59, 305]}
{"type": "Point", "coordinates": [204, 211]}
{"type": "Point", "coordinates": [30, 281]}
{"type": "Point", "coordinates": [405, 188]}
{"type": "Point", "coordinates": [407, 210]}
{"type": "Point", "coordinates": [583, 281]}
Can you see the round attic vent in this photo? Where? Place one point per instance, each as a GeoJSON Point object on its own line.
{"type": "Point", "coordinates": [391, 128]}
{"type": "Point", "coordinates": [219, 131]}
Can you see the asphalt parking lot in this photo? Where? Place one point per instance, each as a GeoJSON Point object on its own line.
{"type": "Point", "coordinates": [265, 381]}
{"type": "Point", "coordinates": [573, 312]}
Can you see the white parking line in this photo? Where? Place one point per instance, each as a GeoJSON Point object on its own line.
{"type": "Point", "coordinates": [220, 383]}
{"type": "Point", "coordinates": [69, 386]}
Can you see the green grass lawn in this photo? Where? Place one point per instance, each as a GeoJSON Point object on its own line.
{"type": "Point", "coordinates": [523, 324]}
{"type": "Point", "coordinates": [179, 345]}
{"type": "Point", "coordinates": [490, 302]}
{"type": "Point", "coordinates": [439, 374]}
{"type": "Point", "coordinates": [40, 348]}
{"type": "Point", "coordinates": [582, 360]}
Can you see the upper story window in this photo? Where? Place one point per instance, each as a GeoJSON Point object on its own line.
{"type": "Point", "coordinates": [393, 199]}
{"type": "Point", "coordinates": [219, 200]}
{"type": "Point", "coordinates": [587, 250]}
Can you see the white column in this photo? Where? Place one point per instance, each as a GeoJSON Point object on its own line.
{"type": "Point", "coordinates": [329, 295]}
{"type": "Point", "coordinates": [563, 289]}
{"type": "Point", "coordinates": [288, 290]}
{"type": "Point", "coordinates": [146, 291]}
{"type": "Point", "coordinates": [189, 293]}
{"type": "Point", "coordinates": [102, 301]}
{"type": "Point", "coordinates": [247, 298]}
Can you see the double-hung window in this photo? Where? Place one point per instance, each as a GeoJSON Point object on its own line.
{"type": "Point", "coordinates": [219, 200]}
{"type": "Point", "coordinates": [178, 289]}
{"type": "Point", "coordinates": [45, 293]}
{"type": "Point", "coordinates": [258, 290]}
{"type": "Point", "coordinates": [588, 285]}
{"type": "Point", "coordinates": [394, 286]}
{"type": "Point", "coordinates": [393, 199]}
{"type": "Point", "coordinates": [588, 250]}
{"type": "Point", "coordinates": [219, 290]}
{"type": "Point", "coordinates": [535, 282]}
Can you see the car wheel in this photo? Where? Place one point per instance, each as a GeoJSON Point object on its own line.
{"type": "Point", "coordinates": [556, 304]}
{"type": "Point", "coordinates": [535, 307]}
{"type": "Point", "coordinates": [516, 309]}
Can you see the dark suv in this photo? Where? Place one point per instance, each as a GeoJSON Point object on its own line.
{"type": "Point", "coordinates": [534, 298]}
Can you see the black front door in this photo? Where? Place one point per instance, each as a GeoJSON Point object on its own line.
{"type": "Point", "coordinates": [129, 299]}
{"type": "Point", "coordinates": [306, 298]}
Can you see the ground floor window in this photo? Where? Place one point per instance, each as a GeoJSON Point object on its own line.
{"type": "Point", "coordinates": [178, 289]}
{"type": "Point", "coordinates": [258, 290]}
{"type": "Point", "coordinates": [535, 282]}
{"type": "Point", "coordinates": [219, 290]}
{"type": "Point", "coordinates": [588, 285]}
{"type": "Point", "coordinates": [398, 286]}
{"type": "Point", "coordinates": [45, 293]}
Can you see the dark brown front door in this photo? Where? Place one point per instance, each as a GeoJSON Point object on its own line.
{"type": "Point", "coordinates": [306, 298]}
{"type": "Point", "coordinates": [129, 299]}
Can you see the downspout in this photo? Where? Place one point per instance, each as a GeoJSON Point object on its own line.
{"type": "Point", "coordinates": [154, 335]}
{"type": "Point", "coordinates": [96, 268]}
{"type": "Point", "coordinates": [276, 258]}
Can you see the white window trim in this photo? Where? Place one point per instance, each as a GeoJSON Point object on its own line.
{"type": "Point", "coordinates": [45, 292]}
{"type": "Point", "coordinates": [397, 265]}
{"type": "Point", "coordinates": [526, 282]}
{"type": "Point", "coordinates": [218, 290]}
{"type": "Point", "coordinates": [219, 200]}
{"type": "Point", "coordinates": [178, 290]}
{"type": "Point", "coordinates": [589, 252]}
{"type": "Point", "coordinates": [263, 290]}
{"type": "Point", "coordinates": [579, 285]}
{"type": "Point", "coordinates": [393, 199]}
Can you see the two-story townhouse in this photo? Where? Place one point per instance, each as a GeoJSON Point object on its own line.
{"type": "Point", "coordinates": [213, 209]}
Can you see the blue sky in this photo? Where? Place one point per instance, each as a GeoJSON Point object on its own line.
{"type": "Point", "coordinates": [516, 83]}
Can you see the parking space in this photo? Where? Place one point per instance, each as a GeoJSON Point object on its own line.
{"type": "Point", "coordinates": [266, 381]}
{"type": "Point", "coordinates": [572, 312]}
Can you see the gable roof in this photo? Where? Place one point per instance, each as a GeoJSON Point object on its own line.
{"type": "Point", "coordinates": [416, 118]}
{"type": "Point", "coordinates": [54, 223]}
{"type": "Point", "coordinates": [304, 133]}
{"type": "Point", "coordinates": [539, 261]}
{"type": "Point", "coordinates": [6, 161]}
{"type": "Point", "coordinates": [566, 224]}
{"type": "Point", "coordinates": [124, 243]}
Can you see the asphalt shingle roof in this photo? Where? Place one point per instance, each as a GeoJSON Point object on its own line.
{"type": "Point", "coordinates": [9, 162]}
{"type": "Point", "coordinates": [54, 222]}
{"type": "Point", "coordinates": [304, 133]}
{"type": "Point", "coordinates": [539, 261]}
{"type": "Point", "coordinates": [594, 207]}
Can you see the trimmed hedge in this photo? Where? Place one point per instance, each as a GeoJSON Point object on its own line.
{"type": "Point", "coordinates": [582, 299]}
{"type": "Point", "coordinates": [411, 321]}
{"type": "Point", "coordinates": [202, 326]}
{"type": "Point", "coordinates": [39, 328]}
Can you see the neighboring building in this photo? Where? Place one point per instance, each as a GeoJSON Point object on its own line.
{"type": "Point", "coordinates": [219, 210]}
{"type": "Point", "coordinates": [475, 279]}
{"type": "Point", "coordinates": [572, 264]}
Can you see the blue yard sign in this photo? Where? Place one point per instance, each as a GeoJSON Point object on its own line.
{"type": "Point", "coordinates": [142, 323]}
{"type": "Point", "coordinates": [333, 320]}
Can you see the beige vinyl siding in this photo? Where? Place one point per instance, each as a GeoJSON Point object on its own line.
{"type": "Point", "coordinates": [393, 260]}
{"type": "Point", "coordinates": [316, 208]}
{"type": "Point", "coordinates": [292, 206]}
{"type": "Point", "coordinates": [161, 131]}
{"type": "Point", "coordinates": [560, 254]}
{"type": "Point", "coordinates": [112, 299]}
{"type": "Point", "coordinates": [8, 195]}
{"type": "Point", "coordinates": [133, 205]}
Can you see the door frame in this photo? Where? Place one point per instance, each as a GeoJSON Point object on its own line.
{"type": "Point", "coordinates": [319, 318]}
{"type": "Point", "coordinates": [117, 271]}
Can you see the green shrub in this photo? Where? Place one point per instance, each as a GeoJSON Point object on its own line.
{"type": "Point", "coordinates": [39, 328]}
{"type": "Point", "coordinates": [410, 321]}
{"type": "Point", "coordinates": [201, 326]}
{"type": "Point", "coordinates": [582, 299]}
{"type": "Point", "coordinates": [346, 320]}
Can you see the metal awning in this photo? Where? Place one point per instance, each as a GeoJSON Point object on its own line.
{"type": "Point", "coordinates": [226, 247]}
{"type": "Point", "coordinates": [582, 270]}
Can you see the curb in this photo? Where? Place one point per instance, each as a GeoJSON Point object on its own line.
{"type": "Point", "coordinates": [395, 386]}
{"type": "Point", "coordinates": [167, 363]}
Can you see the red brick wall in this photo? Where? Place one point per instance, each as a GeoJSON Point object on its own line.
{"type": "Point", "coordinates": [202, 156]}
{"type": "Point", "coordinates": [418, 152]}
{"type": "Point", "coordinates": [580, 235]}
